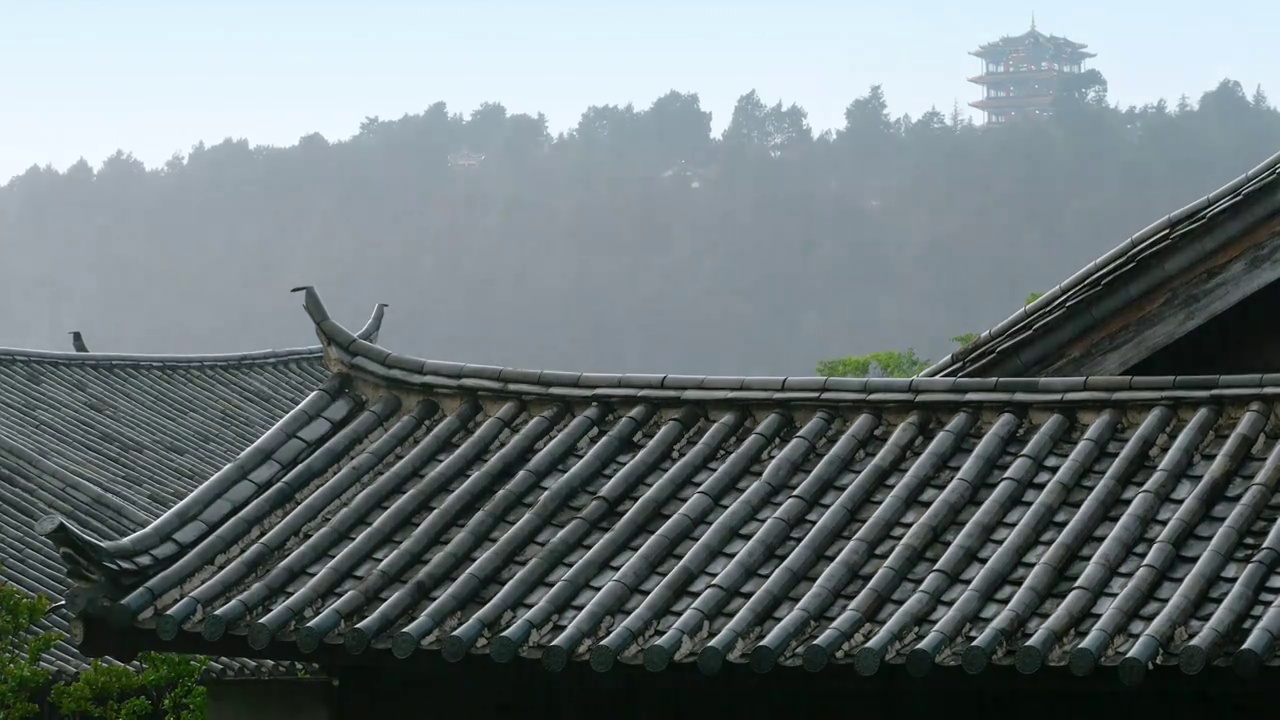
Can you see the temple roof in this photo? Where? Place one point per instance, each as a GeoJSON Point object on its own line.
{"type": "Point", "coordinates": [1032, 37]}
{"type": "Point", "coordinates": [112, 441]}
{"type": "Point", "coordinates": [1133, 300]}
{"type": "Point", "coordinates": [409, 506]}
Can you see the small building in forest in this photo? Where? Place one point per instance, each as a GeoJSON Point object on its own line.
{"type": "Point", "coordinates": [1022, 74]}
{"type": "Point", "coordinates": [1084, 500]}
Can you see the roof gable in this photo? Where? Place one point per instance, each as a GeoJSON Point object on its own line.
{"type": "Point", "coordinates": [1157, 286]}
{"type": "Point", "coordinates": [407, 506]}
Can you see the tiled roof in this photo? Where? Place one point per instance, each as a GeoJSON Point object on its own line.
{"type": "Point", "coordinates": [411, 506]}
{"type": "Point", "coordinates": [1025, 340]}
{"type": "Point", "coordinates": [112, 441]}
{"type": "Point", "coordinates": [1032, 36]}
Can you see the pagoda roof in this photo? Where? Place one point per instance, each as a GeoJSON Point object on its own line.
{"type": "Point", "coordinates": [112, 441]}
{"type": "Point", "coordinates": [1029, 38]}
{"type": "Point", "coordinates": [1013, 102]}
{"type": "Point", "coordinates": [409, 506]}
{"type": "Point", "coordinates": [1002, 78]}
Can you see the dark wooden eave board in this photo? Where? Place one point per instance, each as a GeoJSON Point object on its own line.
{"type": "Point", "coordinates": [1035, 335]}
{"type": "Point", "coordinates": [1181, 305]}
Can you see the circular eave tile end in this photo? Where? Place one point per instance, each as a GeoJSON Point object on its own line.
{"type": "Point", "coordinates": [1247, 662]}
{"type": "Point", "coordinates": [455, 648]}
{"type": "Point", "coordinates": [1193, 659]}
{"type": "Point", "coordinates": [259, 636]}
{"type": "Point", "coordinates": [919, 662]}
{"type": "Point", "coordinates": [167, 627]}
{"type": "Point", "coordinates": [763, 659]}
{"type": "Point", "coordinates": [503, 649]}
{"type": "Point", "coordinates": [1028, 659]}
{"type": "Point", "coordinates": [1082, 662]}
{"type": "Point", "coordinates": [866, 661]}
{"type": "Point", "coordinates": [556, 658]}
{"type": "Point", "coordinates": [602, 658]}
{"type": "Point", "coordinates": [974, 660]}
{"type": "Point", "coordinates": [309, 639]}
{"type": "Point", "coordinates": [815, 658]}
{"type": "Point", "coordinates": [356, 641]}
{"type": "Point", "coordinates": [214, 627]}
{"type": "Point", "coordinates": [710, 660]}
{"type": "Point", "coordinates": [1132, 671]}
{"type": "Point", "coordinates": [404, 645]}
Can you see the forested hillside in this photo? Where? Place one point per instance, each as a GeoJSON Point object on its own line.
{"type": "Point", "coordinates": [636, 242]}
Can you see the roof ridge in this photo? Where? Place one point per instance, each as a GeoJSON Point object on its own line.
{"type": "Point", "coordinates": [856, 534]}
{"type": "Point", "coordinates": [369, 332]}
{"type": "Point", "coordinates": [100, 358]}
{"type": "Point", "coordinates": [366, 358]}
{"type": "Point", "coordinates": [1138, 242]}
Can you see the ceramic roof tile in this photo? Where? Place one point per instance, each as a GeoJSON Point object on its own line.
{"type": "Point", "coordinates": [112, 441]}
{"type": "Point", "coordinates": [1033, 523]}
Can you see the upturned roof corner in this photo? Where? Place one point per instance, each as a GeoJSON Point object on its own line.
{"type": "Point", "coordinates": [331, 333]}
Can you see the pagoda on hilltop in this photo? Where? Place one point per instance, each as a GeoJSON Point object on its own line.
{"type": "Point", "coordinates": [1021, 74]}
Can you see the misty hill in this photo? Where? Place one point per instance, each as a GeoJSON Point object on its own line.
{"type": "Point", "coordinates": [636, 242]}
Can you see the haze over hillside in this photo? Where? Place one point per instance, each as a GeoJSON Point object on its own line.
{"type": "Point", "coordinates": [636, 242]}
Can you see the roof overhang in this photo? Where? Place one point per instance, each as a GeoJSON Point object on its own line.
{"type": "Point", "coordinates": [455, 495]}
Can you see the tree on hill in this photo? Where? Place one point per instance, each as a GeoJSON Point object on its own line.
{"type": "Point", "coordinates": [636, 240]}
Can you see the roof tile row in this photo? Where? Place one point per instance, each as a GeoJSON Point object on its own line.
{"type": "Point", "coordinates": [1083, 528]}
{"type": "Point", "coordinates": [112, 441]}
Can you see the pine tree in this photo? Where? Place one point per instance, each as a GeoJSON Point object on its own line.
{"type": "Point", "coordinates": [1259, 99]}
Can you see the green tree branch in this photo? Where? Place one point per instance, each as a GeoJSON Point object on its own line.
{"type": "Point", "coordinates": [891, 363]}
{"type": "Point", "coordinates": [167, 686]}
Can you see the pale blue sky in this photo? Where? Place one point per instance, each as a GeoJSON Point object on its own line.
{"type": "Point", "coordinates": [85, 78]}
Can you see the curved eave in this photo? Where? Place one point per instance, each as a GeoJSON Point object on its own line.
{"type": "Point", "coordinates": [996, 53]}
{"type": "Point", "coordinates": [1115, 260]}
{"type": "Point", "coordinates": [139, 581]}
{"type": "Point", "coordinates": [1013, 103]}
{"type": "Point", "coordinates": [993, 78]}
{"type": "Point", "coordinates": [1016, 41]}
{"type": "Point", "coordinates": [366, 359]}
{"type": "Point", "coordinates": [113, 565]}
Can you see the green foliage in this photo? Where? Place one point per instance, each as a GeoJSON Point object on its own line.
{"type": "Point", "coordinates": [104, 691]}
{"type": "Point", "coordinates": [892, 363]}
{"type": "Point", "coordinates": [168, 686]}
{"type": "Point", "coordinates": [22, 680]}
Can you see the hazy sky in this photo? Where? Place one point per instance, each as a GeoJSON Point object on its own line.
{"type": "Point", "coordinates": [85, 78]}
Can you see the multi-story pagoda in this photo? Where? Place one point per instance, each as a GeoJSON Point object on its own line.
{"type": "Point", "coordinates": [1021, 74]}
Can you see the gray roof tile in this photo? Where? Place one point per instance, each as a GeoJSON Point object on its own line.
{"type": "Point", "coordinates": [111, 441]}
{"type": "Point", "coordinates": [1064, 521]}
